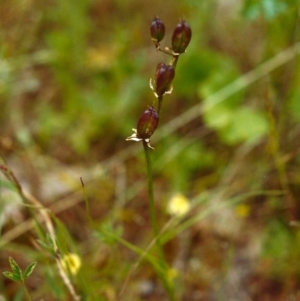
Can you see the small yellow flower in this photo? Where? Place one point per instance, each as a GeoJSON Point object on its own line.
{"type": "Point", "coordinates": [242, 210]}
{"type": "Point", "coordinates": [172, 274]}
{"type": "Point", "coordinates": [178, 205]}
{"type": "Point", "coordinates": [71, 263]}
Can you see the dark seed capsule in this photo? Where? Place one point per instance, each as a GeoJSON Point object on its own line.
{"type": "Point", "coordinates": [147, 123]}
{"type": "Point", "coordinates": [163, 78]}
{"type": "Point", "coordinates": [181, 37]}
{"type": "Point", "coordinates": [157, 30]}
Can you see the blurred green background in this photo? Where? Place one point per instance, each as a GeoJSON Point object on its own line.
{"type": "Point", "coordinates": [74, 78]}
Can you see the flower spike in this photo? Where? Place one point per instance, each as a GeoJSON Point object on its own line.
{"type": "Point", "coordinates": [146, 126]}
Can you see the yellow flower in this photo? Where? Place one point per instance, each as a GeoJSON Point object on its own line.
{"type": "Point", "coordinates": [242, 210]}
{"type": "Point", "coordinates": [172, 274]}
{"type": "Point", "coordinates": [71, 263]}
{"type": "Point", "coordinates": [178, 205]}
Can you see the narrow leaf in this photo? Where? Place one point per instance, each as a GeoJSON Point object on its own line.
{"type": "Point", "coordinates": [43, 244]}
{"type": "Point", "coordinates": [8, 185]}
{"type": "Point", "coordinates": [12, 276]}
{"type": "Point", "coordinates": [48, 245]}
{"type": "Point", "coordinates": [29, 270]}
{"type": "Point", "coordinates": [50, 242]}
{"type": "Point", "coordinates": [15, 268]}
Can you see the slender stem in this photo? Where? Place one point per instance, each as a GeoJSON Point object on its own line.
{"type": "Point", "coordinates": [165, 50]}
{"type": "Point", "coordinates": [26, 292]}
{"type": "Point", "coordinates": [174, 60]}
{"type": "Point", "coordinates": [159, 99]}
{"type": "Point", "coordinates": [164, 276]}
{"type": "Point", "coordinates": [150, 191]}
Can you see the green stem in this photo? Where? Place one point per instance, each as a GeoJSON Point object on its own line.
{"type": "Point", "coordinates": [174, 60]}
{"type": "Point", "coordinates": [26, 292]}
{"type": "Point", "coordinates": [164, 276]}
{"type": "Point", "coordinates": [165, 50]}
{"type": "Point", "coordinates": [150, 191]}
{"type": "Point", "coordinates": [160, 99]}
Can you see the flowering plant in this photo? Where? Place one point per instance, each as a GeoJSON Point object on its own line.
{"type": "Point", "coordinates": [161, 85]}
{"type": "Point", "coordinates": [164, 75]}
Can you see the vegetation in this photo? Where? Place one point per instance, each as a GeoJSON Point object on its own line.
{"type": "Point", "coordinates": [223, 222]}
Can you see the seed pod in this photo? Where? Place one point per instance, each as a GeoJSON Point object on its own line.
{"type": "Point", "coordinates": [147, 123]}
{"type": "Point", "coordinates": [163, 78]}
{"type": "Point", "coordinates": [157, 30]}
{"type": "Point", "coordinates": [181, 37]}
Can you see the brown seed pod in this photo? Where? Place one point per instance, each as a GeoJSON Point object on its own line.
{"type": "Point", "coordinates": [163, 78]}
{"type": "Point", "coordinates": [181, 37]}
{"type": "Point", "coordinates": [157, 30]}
{"type": "Point", "coordinates": [147, 123]}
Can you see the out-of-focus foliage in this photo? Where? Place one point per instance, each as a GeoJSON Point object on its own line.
{"type": "Point", "coordinates": [74, 78]}
{"type": "Point", "coordinates": [269, 9]}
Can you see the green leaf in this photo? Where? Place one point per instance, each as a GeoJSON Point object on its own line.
{"type": "Point", "coordinates": [19, 295]}
{"type": "Point", "coordinates": [218, 117]}
{"type": "Point", "coordinates": [272, 8]}
{"type": "Point", "coordinates": [29, 270]}
{"type": "Point", "coordinates": [15, 268]}
{"type": "Point", "coordinates": [221, 76]}
{"type": "Point", "coordinates": [56, 287]}
{"type": "Point", "coordinates": [251, 9]}
{"type": "Point", "coordinates": [278, 245]}
{"type": "Point", "coordinates": [108, 233]}
{"type": "Point", "coordinates": [12, 276]}
{"type": "Point", "coordinates": [8, 185]}
{"type": "Point", "coordinates": [44, 245]}
{"type": "Point", "coordinates": [246, 124]}
{"type": "Point", "coordinates": [48, 245]}
{"type": "Point", "coordinates": [268, 8]}
{"type": "Point", "coordinates": [50, 242]}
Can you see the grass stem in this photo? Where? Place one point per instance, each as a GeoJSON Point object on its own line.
{"type": "Point", "coordinates": [164, 276]}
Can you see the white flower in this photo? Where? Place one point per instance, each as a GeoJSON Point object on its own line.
{"type": "Point", "coordinates": [135, 137]}
{"type": "Point", "coordinates": [153, 89]}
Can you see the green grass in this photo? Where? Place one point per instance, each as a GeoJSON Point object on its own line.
{"type": "Point", "coordinates": [74, 78]}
